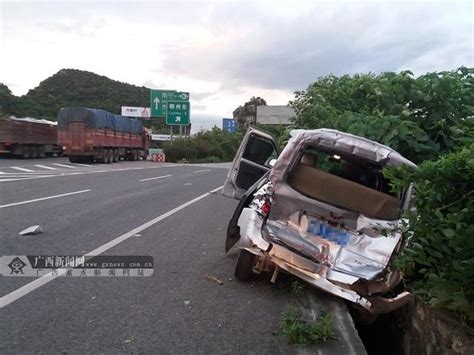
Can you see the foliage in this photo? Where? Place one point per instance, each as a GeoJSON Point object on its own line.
{"type": "Point", "coordinates": [7, 100]}
{"type": "Point", "coordinates": [247, 114]}
{"type": "Point", "coordinates": [70, 87]}
{"type": "Point", "coordinates": [420, 117]}
{"type": "Point", "coordinates": [301, 332]}
{"type": "Point", "coordinates": [439, 259]}
{"type": "Point", "coordinates": [215, 145]}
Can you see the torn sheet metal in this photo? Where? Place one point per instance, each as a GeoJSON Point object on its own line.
{"type": "Point", "coordinates": [250, 223]}
{"type": "Point", "coordinates": [346, 251]}
{"type": "Point", "coordinates": [261, 197]}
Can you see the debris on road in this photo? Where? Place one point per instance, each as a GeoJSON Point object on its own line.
{"type": "Point", "coordinates": [32, 230]}
{"type": "Point", "coordinates": [187, 302]}
{"type": "Point", "coordinates": [129, 340]}
{"type": "Point", "coordinates": [213, 278]}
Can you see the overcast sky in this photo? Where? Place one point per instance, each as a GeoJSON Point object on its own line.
{"type": "Point", "coordinates": [225, 52]}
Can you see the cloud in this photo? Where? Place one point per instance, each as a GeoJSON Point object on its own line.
{"type": "Point", "coordinates": [224, 53]}
{"type": "Point", "coordinates": [289, 54]}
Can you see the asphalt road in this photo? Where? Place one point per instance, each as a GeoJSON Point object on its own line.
{"type": "Point", "coordinates": [175, 214]}
{"type": "Point", "coordinates": [176, 310]}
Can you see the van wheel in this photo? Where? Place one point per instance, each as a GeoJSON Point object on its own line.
{"type": "Point", "coordinates": [244, 268]}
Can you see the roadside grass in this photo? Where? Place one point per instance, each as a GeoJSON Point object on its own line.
{"type": "Point", "coordinates": [289, 284]}
{"type": "Point", "coordinates": [305, 333]}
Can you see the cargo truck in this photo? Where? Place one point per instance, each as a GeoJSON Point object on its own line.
{"type": "Point", "coordinates": [88, 135]}
{"type": "Point", "coordinates": [28, 137]}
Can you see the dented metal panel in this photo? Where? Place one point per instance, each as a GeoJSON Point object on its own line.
{"type": "Point", "coordinates": [335, 141]}
{"type": "Point", "coordinates": [335, 249]}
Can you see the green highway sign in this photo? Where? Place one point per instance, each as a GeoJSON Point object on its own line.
{"type": "Point", "coordinates": [158, 102]}
{"type": "Point", "coordinates": [178, 113]}
{"type": "Point", "coordinates": [178, 96]}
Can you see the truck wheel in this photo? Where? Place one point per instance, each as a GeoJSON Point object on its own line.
{"type": "Point", "coordinates": [116, 156]}
{"type": "Point", "coordinates": [244, 268]}
{"type": "Point", "coordinates": [74, 159]}
{"type": "Point", "coordinates": [111, 156]}
{"type": "Point", "coordinates": [136, 154]}
{"type": "Point", "coordinates": [103, 157]}
{"type": "Point", "coordinates": [26, 152]}
{"type": "Point", "coordinates": [34, 152]}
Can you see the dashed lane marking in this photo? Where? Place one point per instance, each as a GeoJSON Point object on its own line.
{"type": "Point", "coordinates": [46, 167]}
{"type": "Point", "coordinates": [201, 171]}
{"type": "Point", "coordinates": [29, 287]}
{"type": "Point", "coordinates": [43, 198]}
{"type": "Point", "coordinates": [157, 177]}
{"type": "Point", "coordinates": [22, 169]}
{"type": "Point", "coordinates": [64, 166]}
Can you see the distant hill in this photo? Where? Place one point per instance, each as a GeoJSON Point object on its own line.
{"type": "Point", "coordinates": [71, 87]}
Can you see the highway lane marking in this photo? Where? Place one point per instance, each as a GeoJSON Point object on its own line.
{"type": "Point", "coordinates": [201, 171]}
{"type": "Point", "coordinates": [20, 178]}
{"type": "Point", "coordinates": [64, 166]}
{"type": "Point", "coordinates": [22, 169]}
{"type": "Point", "coordinates": [46, 167]}
{"type": "Point", "coordinates": [154, 178]}
{"type": "Point", "coordinates": [36, 175]}
{"type": "Point", "coordinates": [86, 165]}
{"type": "Point", "coordinates": [29, 287]}
{"type": "Point", "coordinates": [43, 198]}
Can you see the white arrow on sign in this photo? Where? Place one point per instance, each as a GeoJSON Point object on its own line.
{"type": "Point", "coordinates": [157, 102]}
{"type": "Point", "coordinates": [178, 119]}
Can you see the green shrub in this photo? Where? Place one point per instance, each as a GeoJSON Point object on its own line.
{"type": "Point", "coordinates": [438, 261]}
{"type": "Point", "coordinates": [209, 146]}
{"type": "Point", "coordinates": [301, 332]}
{"type": "Point", "coordinates": [420, 117]}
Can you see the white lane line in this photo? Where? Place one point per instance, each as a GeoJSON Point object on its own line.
{"type": "Point", "coordinates": [36, 175]}
{"type": "Point", "coordinates": [46, 167]}
{"type": "Point", "coordinates": [64, 166]}
{"type": "Point", "coordinates": [22, 169]}
{"type": "Point", "coordinates": [86, 165]}
{"type": "Point", "coordinates": [154, 178]}
{"type": "Point", "coordinates": [201, 171]}
{"type": "Point", "coordinates": [43, 198]}
{"type": "Point", "coordinates": [29, 287]}
{"type": "Point", "coordinates": [21, 178]}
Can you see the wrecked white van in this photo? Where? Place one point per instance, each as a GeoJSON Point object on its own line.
{"type": "Point", "coordinates": [321, 210]}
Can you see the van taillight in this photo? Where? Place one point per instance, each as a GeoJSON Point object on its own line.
{"type": "Point", "coordinates": [265, 208]}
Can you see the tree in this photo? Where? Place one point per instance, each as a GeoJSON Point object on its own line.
{"type": "Point", "coordinates": [420, 117]}
{"type": "Point", "coordinates": [246, 115]}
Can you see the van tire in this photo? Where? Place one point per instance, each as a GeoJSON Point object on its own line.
{"type": "Point", "coordinates": [244, 268]}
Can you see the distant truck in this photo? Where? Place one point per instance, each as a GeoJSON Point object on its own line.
{"type": "Point", "coordinates": [88, 135]}
{"type": "Point", "coordinates": [28, 137]}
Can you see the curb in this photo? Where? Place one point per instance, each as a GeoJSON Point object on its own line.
{"type": "Point", "coordinates": [347, 338]}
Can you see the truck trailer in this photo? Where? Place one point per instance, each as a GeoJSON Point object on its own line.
{"type": "Point", "coordinates": [87, 135]}
{"type": "Point", "coordinates": [28, 137]}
